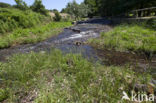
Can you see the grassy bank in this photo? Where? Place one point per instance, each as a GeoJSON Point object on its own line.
{"type": "Point", "coordinates": [32, 35]}
{"type": "Point", "coordinates": [11, 18]}
{"type": "Point", "coordinates": [128, 37]}
{"type": "Point", "coordinates": [59, 78]}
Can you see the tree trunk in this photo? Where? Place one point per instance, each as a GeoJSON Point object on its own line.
{"type": "Point", "coordinates": [140, 12]}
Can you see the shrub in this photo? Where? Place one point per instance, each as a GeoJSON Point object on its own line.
{"type": "Point", "coordinates": [39, 7]}
{"type": "Point", "coordinates": [57, 16]}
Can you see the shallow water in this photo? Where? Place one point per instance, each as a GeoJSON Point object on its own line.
{"type": "Point", "coordinates": [65, 41]}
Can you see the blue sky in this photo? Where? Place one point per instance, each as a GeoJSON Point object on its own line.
{"type": "Point", "coordinates": [49, 4]}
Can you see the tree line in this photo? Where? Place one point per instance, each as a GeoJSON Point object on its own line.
{"type": "Point", "coordinates": [37, 6]}
{"type": "Point", "coordinates": [77, 10]}
{"type": "Point", "coordinates": [111, 8]}
{"type": "Point", "coordinates": [119, 7]}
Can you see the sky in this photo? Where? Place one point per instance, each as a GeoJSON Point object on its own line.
{"type": "Point", "coordinates": [49, 4]}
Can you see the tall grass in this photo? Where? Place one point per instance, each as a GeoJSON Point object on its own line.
{"type": "Point", "coordinates": [32, 35]}
{"type": "Point", "coordinates": [11, 18]}
{"type": "Point", "coordinates": [128, 37]}
{"type": "Point", "coordinates": [59, 78]}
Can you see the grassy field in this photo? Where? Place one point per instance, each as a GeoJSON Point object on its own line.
{"type": "Point", "coordinates": [32, 35]}
{"type": "Point", "coordinates": [63, 78]}
{"type": "Point", "coordinates": [128, 37]}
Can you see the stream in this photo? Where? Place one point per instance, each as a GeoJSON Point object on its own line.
{"type": "Point", "coordinates": [73, 40]}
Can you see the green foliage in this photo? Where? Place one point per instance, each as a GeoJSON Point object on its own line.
{"type": "Point", "coordinates": [57, 16]}
{"type": "Point", "coordinates": [32, 35]}
{"type": "Point", "coordinates": [119, 7]}
{"type": "Point", "coordinates": [77, 10]}
{"type": "Point", "coordinates": [21, 5]}
{"type": "Point", "coordinates": [66, 79]}
{"type": "Point", "coordinates": [39, 7]}
{"type": "Point", "coordinates": [128, 37]}
{"type": "Point", "coordinates": [4, 5]}
{"type": "Point", "coordinates": [3, 94]}
{"type": "Point", "coordinates": [11, 19]}
{"type": "Point", "coordinates": [93, 6]}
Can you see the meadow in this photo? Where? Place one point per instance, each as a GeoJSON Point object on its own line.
{"type": "Point", "coordinates": [55, 77]}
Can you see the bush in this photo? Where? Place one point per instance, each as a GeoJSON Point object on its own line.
{"type": "Point", "coordinates": [39, 7]}
{"type": "Point", "coordinates": [57, 16]}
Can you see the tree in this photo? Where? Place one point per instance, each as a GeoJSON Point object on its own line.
{"type": "Point", "coordinates": [84, 10]}
{"type": "Point", "coordinates": [93, 6]}
{"type": "Point", "coordinates": [57, 16]}
{"type": "Point", "coordinates": [54, 10]}
{"type": "Point", "coordinates": [77, 10]}
{"type": "Point", "coordinates": [21, 5]}
{"type": "Point", "coordinates": [39, 7]}
{"type": "Point", "coordinates": [119, 7]}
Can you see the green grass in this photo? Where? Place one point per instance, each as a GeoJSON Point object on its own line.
{"type": "Point", "coordinates": [32, 35]}
{"type": "Point", "coordinates": [127, 37]}
{"type": "Point", "coordinates": [11, 18]}
{"type": "Point", "coordinates": [59, 78]}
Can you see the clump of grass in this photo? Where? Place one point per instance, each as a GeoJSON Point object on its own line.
{"type": "Point", "coordinates": [32, 35]}
{"type": "Point", "coordinates": [65, 78]}
{"type": "Point", "coordinates": [11, 18]}
{"type": "Point", "coordinates": [128, 37]}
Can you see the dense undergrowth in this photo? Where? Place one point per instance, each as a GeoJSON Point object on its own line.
{"type": "Point", "coordinates": [128, 37]}
{"type": "Point", "coordinates": [11, 18]}
{"type": "Point", "coordinates": [32, 35]}
{"type": "Point", "coordinates": [64, 79]}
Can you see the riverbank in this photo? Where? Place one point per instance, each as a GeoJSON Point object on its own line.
{"type": "Point", "coordinates": [128, 37]}
{"type": "Point", "coordinates": [32, 35]}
